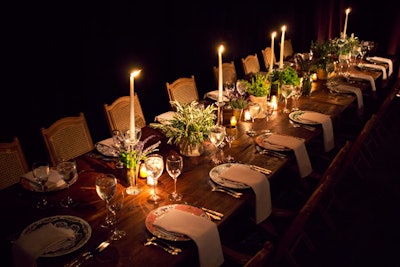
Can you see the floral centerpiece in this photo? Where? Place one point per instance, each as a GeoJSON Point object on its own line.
{"type": "Point", "coordinates": [258, 86]}
{"type": "Point", "coordinates": [189, 126]}
{"type": "Point", "coordinates": [139, 153]}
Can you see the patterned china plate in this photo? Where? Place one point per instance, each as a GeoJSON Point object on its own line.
{"type": "Point", "coordinates": [154, 214]}
{"type": "Point", "coordinates": [296, 117]}
{"type": "Point", "coordinates": [81, 228]}
{"type": "Point", "coordinates": [106, 150]}
{"type": "Point", "coordinates": [217, 170]}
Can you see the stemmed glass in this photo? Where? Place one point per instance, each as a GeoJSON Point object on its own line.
{"type": "Point", "coordinates": [67, 171]}
{"type": "Point", "coordinates": [130, 144]}
{"type": "Point", "coordinates": [241, 87]}
{"type": "Point", "coordinates": [217, 136]}
{"type": "Point", "coordinates": [286, 93]}
{"type": "Point", "coordinates": [154, 166]}
{"type": "Point", "coordinates": [229, 137]}
{"type": "Point", "coordinates": [254, 110]}
{"type": "Point", "coordinates": [229, 88]}
{"type": "Point", "coordinates": [118, 138]}
{"type": "Point", "coordinates": [41, 172]}
{"type": "Point", "coordinates": [295, 97]}
{"type": "Point", "coordinates": [116, 203]}
{"type": "Point", "coordinates": [106, 185]}
{"type": "Point", "coordinates": [268, 109]}
{"type": "Point", "coordinates": [174, 166]}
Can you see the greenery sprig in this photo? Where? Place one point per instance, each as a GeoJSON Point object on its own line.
{"type": "Point", "coordinates": [139, 153]}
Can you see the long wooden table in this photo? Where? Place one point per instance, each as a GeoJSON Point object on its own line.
{"type": "Point", "coordinates": [19, 210]}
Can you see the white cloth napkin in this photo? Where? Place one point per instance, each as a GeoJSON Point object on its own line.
{"type": "Point", "coordinates": [352, 89]}
{"type": "Point", "coordinates": [55, 179]}
{"type": "Point", "coordinates": [107, 142]}
{"type": "Point", "coordinates": [364, 77]}
{"type": "Point", "coordinates": [299, 148]}
{"type": "Point", "coordinates": [258, 182]}
{"type": "Point", "coordinates": [384, 60]}
{"type": "Point", "coordinates": [214, 96]}
{"type": "Point", "coordinates": [202, 231]}
{"type": "Point", "coordinates": [45, 239]}
{"type": "Point", "coordinates": [374, 66]}
{"type": "Point", "coordinates": [165, 117]}
{"type": "Point", "coordinates": [327, 128]}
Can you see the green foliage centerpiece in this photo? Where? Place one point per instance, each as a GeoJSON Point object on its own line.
{"type": "Point", "coordinates": [189, 126]}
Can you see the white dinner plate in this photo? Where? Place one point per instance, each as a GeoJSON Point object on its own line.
{"type": "Point", "coordinates": [81, 228]}
{"type": "Point", "coordinates": [154, 214]}
{"type": "Point", "coordinates": [55, 184]}
{"type": "Point", "coordinates": [296, 117]}
{"type": "Point", "coordinates": [217, 170]}
{"type": "Point", "coordinates": [262, 141]}
{"type": "Point", "coordinates": [106, 149]}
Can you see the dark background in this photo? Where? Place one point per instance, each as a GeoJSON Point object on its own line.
{"type": "Point", "coordinates": [63, 57]}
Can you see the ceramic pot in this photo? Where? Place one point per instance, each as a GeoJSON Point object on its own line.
{"type": "Point", "coordinates": [190, 150]}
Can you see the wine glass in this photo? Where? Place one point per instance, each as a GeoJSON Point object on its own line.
{"type": "Point", "coordinates": [268, 109]}
{"type": "Point", "coordinates": [229, 137]}
{"type": "Point", "coordinates": [41, 173]}
{"type": "Point", "coordinates": [106, 185]}
{"type": "Point", "coordinates": [254, 110]}
{"type": "Point", "coordinates": [295, 97]}
{"type": "Point", "coordinates": [217, 135]}
{"type": "Point", "coordinates": [118, 140]}
{"type": "Point", "coordinates": [67, 171]}
{"type": "Point", "coordinates": [116, 203]}
{"type": "Point", "coordinates": [286, 91]}
{"type": "Point", "coordinates": [241, 87]}
{"type": "Point", "coordinates": [154, 166]}
{"type": "Point", "coordinates": [174, 166]}
{"type": "Point", "coordinates": [229, 88]}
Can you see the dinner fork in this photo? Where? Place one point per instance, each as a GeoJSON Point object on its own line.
{"type": "Point", "coordinates": [232, 193]}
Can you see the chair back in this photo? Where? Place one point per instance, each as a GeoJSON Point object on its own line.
{"type": "Point", "coordinates": [183, 90]}
{"type": "Point", "coordinates": [118, 113]}
{"type": "Point", "coordinates": [67, 138]}
{"type": "Point", "coordinates": [268, 60]}
{"type": "Point", "coordinates": [13, 163]}
{"type": "Point", "coordinates": [228, 72]}
{"type": "Point", "coordinates": [251, 64]}
{"type": "Point", "coordinates": [287, 49]}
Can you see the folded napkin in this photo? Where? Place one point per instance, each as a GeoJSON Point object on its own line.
{"type": "Point", "coordinates": [165, 117]}
{"type": "Point", "coordinates": [364, 77]}
{"type": "Point", "coordinates": [327, 128]}
{"type": "Point", "coordinates": [202, 231]}
{"type": "Point", "coordinates": [383, 60]}
{"type": "Point", "coordinates": [45, 239]}
{"type": "Point", "coordinates": [352, 89]}
{"type": "Point", "coordinates": [299, 148]}
{"type": "Point", "coordinates": [214, 95]}
{"type": "Point", "coordinates": [107, 142]}
{"type": "Point", "coordinates": [55, 180]}
{"type": "Point", "coordinates": [374, 66]}
{"type": "Point", "coordinates": [258, 182]}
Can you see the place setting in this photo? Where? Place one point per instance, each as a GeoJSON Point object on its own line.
{"type": "Point", "coordinates": [50, 237]}
{"type": "Point", "coordinates": [183, 222]}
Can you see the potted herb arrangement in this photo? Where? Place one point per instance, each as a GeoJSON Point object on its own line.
{"type": "Point", "coordinates": [189, 126]}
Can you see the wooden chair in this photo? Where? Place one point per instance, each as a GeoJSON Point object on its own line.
{"type": "Point", "coordinates": [118, 113]}
{"type": "Point", "coordinates": [251, 65]}
{"type": "Point", "coordinates": [281, 245]}
{"type": "Point", "coordinates": [67, 138]}
{"type": "Point", "coordinates": [183, 90]}
{"type": "Point", "coordinates": [13, 163]}
{"type": "Point", "coordinates": [288, 49]}
{"type": "Point", "coordinates": [268, 60]}
{"type": "Point", "coordinates": [228, 72]}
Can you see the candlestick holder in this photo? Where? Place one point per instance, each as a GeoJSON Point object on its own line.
{"type": "Point", "coordinates": [220, 115]}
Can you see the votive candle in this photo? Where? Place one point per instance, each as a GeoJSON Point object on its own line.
{"type": "Point", "coordinates": [274, 102]}
{"type": "Point", "coordinates": [233, 121]}
{"type": "Point", "coordinates": [282, 46]}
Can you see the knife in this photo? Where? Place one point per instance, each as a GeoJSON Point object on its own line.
{"type": "Point", "coordinates": [88, 254]}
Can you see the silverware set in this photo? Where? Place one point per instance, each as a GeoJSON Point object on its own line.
{"type": "Point", "coordinates": [218, 188]}
{"type": "Point", "coordinates": [154, 241]}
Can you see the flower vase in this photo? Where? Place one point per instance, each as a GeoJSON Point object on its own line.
{"type": "Point", "coordinates": [133, 174]}
{"type": "Point", "coordinates": [306, 84]}
{"type": "Point", "coordinates": [190, 150]}
{"type": "Point", "coordinates": [237, 112]}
